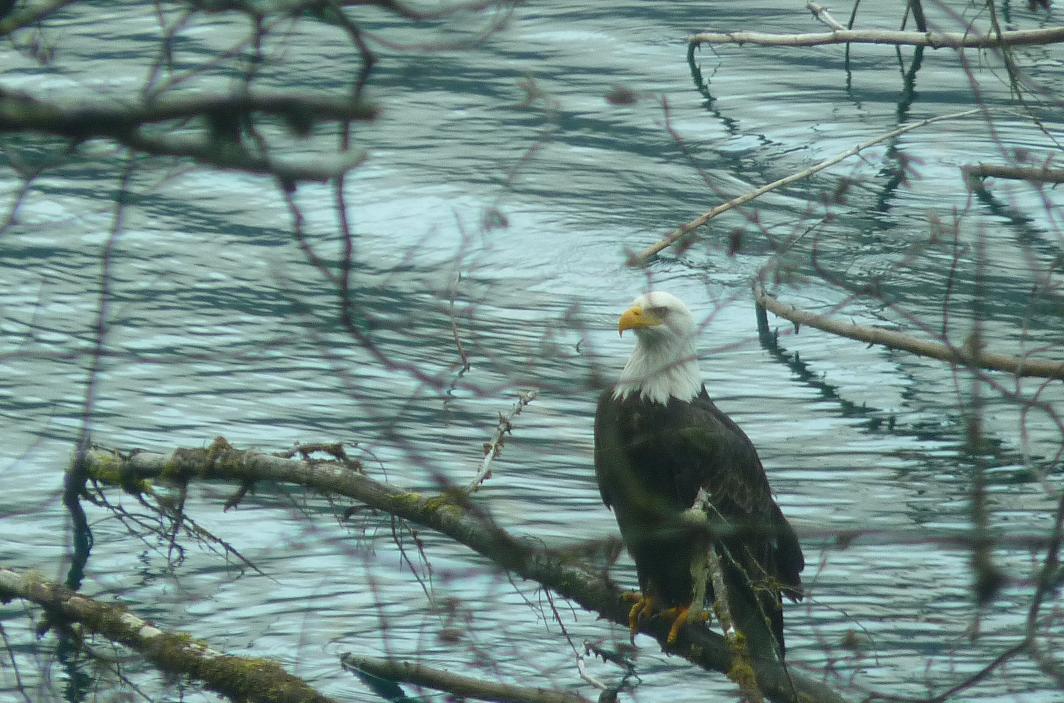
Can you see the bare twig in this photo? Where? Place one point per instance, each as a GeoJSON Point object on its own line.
{"type": "Point", "coordinates": [684, 230]}
{"type": "Point", "coordinates": [460, 686]}
{"type": "Point", "coordinates": [1020, 366]}
{"type": "Point", "coordinates": [822, 14]}
{"type": "Point", "coordinates": [31, 15]}
{"type": "Point", "coordinates": [493, 447]}
{"type": "Point", "coordinates": [748, 684]}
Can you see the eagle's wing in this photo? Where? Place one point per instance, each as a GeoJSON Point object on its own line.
{"type": "Point", "coordinates": [722, 460]}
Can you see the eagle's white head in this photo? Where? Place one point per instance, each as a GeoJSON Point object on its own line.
{"type": "Point", "coordinates": [664, 362]}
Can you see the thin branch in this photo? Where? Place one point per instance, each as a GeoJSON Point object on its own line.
{"type": "Point", "coordinates": [736, 644]}
{"type": "Point", "coordinates": [822, 14]}
{"type": "Point", "coordinates": [237, 678]}
{"type": "Point", "coordinates": [287, 170]}
{"type": "Point", "coordinates": [493, 447]}
{"type": "Point", "coordinates": [460, 686]}
{"type": "Point", "coordinates": [1048, 577]}
{"type": "Point", "coordinates": [685, 230]}
{"type": "Point", "coordinates": [1018, 365]}
{"type": "Point", "coordinates": [935, 40]}
{"type": "Point", "coordinates": [31, 15]}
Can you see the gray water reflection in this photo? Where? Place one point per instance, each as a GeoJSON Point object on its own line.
{"type": "Point", "coordinates": [220, 326]}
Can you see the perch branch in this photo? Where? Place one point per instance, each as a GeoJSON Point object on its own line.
{"type": "Point", "coordinates": [1018, 365]}
{"type": "Point", "coordinates": [459, 686]}
{"type": "Point", "coordinates": [237, 678]}
{"type": "Point", "coordinates": [685, 230]}
{"type": "Point", "coordinates": [934, 40]}
{"type": "Point", "coordinates": [451, 515]}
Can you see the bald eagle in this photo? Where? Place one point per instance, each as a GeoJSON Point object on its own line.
{"type": "Point", "coordinates": [659, 441]}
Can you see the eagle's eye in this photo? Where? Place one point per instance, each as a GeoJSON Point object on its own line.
{"type": "Point", "coordinates": [659, 311]}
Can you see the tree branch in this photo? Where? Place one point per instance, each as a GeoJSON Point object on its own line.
{"type": "Point", "coordinates": [127, 125]}
{"type": "Point", "coordinates": [498, 438]}
{"type": "Point", "coordinates": [1035, 174]}
{"type": "Point", "coordinates": [685, 230]}
{"type": "Point", "coordinates": [237, 678]}
{"type": "Point", "coordinates": [453, 515]}
{"type": "Point", "coordinates": [30, 15]}
{"type": "Point", "coordinates": [460, 686]}
{"type": "Point", "coordinates": [935, 40]}
{"type": "Point", "coordinates": [1018, 365]}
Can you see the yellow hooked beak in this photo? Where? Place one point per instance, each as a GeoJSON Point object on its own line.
{"type": "Point", "coordinates": [635, 318]}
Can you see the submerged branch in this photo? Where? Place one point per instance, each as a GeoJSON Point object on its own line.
{"type": "Point", "coordinates": [237, 678]}
{"type": "Point", "coordinates": [453, 515]}
{"type": "Point", "coordinates": [1018, 365]}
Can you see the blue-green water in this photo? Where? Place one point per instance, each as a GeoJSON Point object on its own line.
{"type": "Point", "coordinates": [218, 325]}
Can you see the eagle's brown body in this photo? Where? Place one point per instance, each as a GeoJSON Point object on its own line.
{"type": "Point", "coordinates": [651, 460]}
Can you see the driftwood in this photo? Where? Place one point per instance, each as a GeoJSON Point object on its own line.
{"type": "Point", "coordinates": [237, 678]}
{"type": "Point", "coordinates": [452, 514]}
{"type": "Point", "coordinates": [1018, 365]}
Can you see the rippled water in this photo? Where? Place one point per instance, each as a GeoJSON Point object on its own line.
{"type": "Point", "coordinates": [218, 325]}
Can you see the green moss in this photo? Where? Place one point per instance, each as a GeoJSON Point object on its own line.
{"type": "Point", "coordinates": [743, 675]}
{"type": "Point", "coordinates": [114, 470]}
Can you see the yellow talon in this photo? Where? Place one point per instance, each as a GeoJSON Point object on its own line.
{"type": "Point", "coordinates": [643, 605]}
{"type": "Point", "coordinates": [680, 616]}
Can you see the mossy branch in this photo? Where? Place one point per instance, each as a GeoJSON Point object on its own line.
{"type": "Point", "coordinates": [237, 678]}
{"type": "Point", "coordinates": [452, 514]}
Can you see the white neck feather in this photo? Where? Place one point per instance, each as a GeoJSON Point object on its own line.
{"type": "Point", "coordinates": [659, 368]}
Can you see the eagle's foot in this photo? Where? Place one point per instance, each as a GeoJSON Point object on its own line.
{"type": "Point", "coordinates": [643, 606]}
{"type": "Point", "coordinates": [680, 616]}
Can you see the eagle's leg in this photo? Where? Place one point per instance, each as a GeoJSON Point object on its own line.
{"type": "Point", "coordinates": [643, 605]}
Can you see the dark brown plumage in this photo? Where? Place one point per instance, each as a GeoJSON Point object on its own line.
{"type": "Point", "coordinates": [651, 459]}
